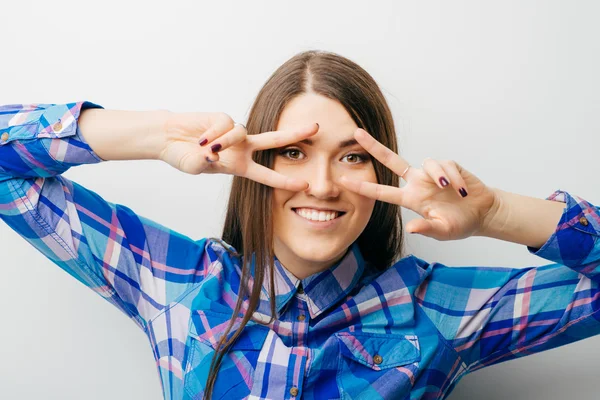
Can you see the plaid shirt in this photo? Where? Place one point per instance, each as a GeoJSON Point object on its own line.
{"type": "Point", "coordinates": [410, 332]}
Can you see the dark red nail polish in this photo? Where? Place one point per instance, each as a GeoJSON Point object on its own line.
{"type": "Point", "coordinates": [215, 147]}
{"type": "Point", "coordinates": [203, 142]}
{"type": "Point", "coordinates": [443, 181]}
{"type": "Point", "coordinates": [462, 192]}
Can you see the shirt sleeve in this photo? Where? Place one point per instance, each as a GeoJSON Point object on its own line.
{"type": "Point", "coordinates": [493, 314]}
{"type": "Point", "coordinates": [134, 263]}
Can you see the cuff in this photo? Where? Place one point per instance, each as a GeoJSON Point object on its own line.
{"type": "Point", "coordinates": [575, 236]}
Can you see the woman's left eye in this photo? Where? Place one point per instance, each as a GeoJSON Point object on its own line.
{"type": "Point", "coordinates": [355, 158]}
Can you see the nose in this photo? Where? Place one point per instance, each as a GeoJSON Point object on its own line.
{"type": "Point", "coordinates": [321, 183]}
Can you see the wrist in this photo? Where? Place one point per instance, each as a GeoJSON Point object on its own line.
{"type": "Point", "coordinates": [522, 219]}
{"type": "Point", "coordinates": [155, 139]}
{"type": "Point", "coordinates": [495, 218]}
{"type": "Point", "coordinates": [124, 135]}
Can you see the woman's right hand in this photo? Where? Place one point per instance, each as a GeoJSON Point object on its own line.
{"type": "Point", "coordinates": [233, 147]}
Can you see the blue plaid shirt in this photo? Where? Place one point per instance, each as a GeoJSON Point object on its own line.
{"type": "Point", "coordinates": [410, 332]}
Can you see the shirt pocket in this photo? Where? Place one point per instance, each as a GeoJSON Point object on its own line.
{"type": "Point", "coordinates": [236, 373]}
{"type": "Point", "coordinates": [375, 365]}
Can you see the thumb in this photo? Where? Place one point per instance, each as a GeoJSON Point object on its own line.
{"type": "Point", "coordinates": [420, 226]}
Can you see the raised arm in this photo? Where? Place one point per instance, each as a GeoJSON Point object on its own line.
{"type": "Point", "coordinates": [493, 314]}
{"type": "Point", "coordinates": [138, 265]}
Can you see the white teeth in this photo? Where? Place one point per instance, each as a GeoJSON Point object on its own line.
{"type": "Point", "coordinates": [314, 215]}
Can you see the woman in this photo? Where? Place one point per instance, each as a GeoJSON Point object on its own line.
{"type": "Point", "coordinates": [314, 219]}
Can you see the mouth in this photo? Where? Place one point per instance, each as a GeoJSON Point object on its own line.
{"type": "Point", "coordinates": [319, 218]}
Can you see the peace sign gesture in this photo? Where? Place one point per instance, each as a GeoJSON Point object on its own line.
{"type": "Point", "coordinates": [453, 202]}
{"type": "Point", "coordinates": [212, 143]}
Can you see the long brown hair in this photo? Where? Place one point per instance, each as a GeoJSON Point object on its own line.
{"type": "Point", "coordinates": [248, 223]}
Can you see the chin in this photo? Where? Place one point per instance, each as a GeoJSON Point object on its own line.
{"type": "Point", "coordinates": [319, 250]}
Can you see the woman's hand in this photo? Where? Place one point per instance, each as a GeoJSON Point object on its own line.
{"type": "Point", "coordinates": [447, 214]}
{"type": "Point", "coordinates": [211, 143]}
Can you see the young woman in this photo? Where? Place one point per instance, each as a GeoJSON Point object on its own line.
{"type": "Point", "coordinates": [310, 262]}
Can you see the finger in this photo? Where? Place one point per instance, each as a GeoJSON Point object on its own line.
{"type": "Point", "coordinates": [436, 173]}
{"type": "Point", "coordinates": [452, 169]}
{"type": "Point", "coordinates": [221, 125]}
{"type": "Point", "coordinates": [275, 139]}
{"type": "Point", "coordinates": [198, 163]}
{"type": "Point", "coordinates": [267, 176]}
{"type": "Point", "coordinates": [234, 136]}
{"type": "Point", "coordinates": [384, 155]}
{"type": "Point", "coordinates": [427, 227]}
{"type": "Point", "coordinates": [375, 191]}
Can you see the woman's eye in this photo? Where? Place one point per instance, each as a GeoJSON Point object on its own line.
{"type": "Point", "coordinates": [296, 154]}
{"type": "Point", "coordinates": [292, 154]}
{"type": "Point", "coordinates": [355, 158]}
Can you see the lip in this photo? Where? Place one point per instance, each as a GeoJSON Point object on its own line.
{"type": "Point", "coordinates": [331, 224]}
{"type": "Point", "coordinates": [320, 208]}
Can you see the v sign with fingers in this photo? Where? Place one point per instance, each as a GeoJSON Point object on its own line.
{"type": "Point", "coordinates": [453, 202]}
{"type": "Point", "coordinates": [211, 143]}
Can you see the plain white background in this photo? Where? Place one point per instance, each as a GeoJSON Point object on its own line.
{"type": "Point", "coordinates": [508, 89]}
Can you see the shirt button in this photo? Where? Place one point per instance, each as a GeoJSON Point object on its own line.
{"type": "Point", "coordinates": [57, 126]}
{"type": "Point", "coordinates": [300, 289]}
{"type": "Point", "coordinates": [377, 359]}
{"type": "Point", "coordinates": [4, 136]}
{"type": "Point", "coordinates": [301, 318]}
{"type": "Point", "coordinates": [583, 221]}
{"type": "Point", "coordinates": [294, 391]}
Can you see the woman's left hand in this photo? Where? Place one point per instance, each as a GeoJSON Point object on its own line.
{"type": "Point", "coordinates": [447, 215]}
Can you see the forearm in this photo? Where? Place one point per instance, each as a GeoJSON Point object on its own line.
{"type": "Point", "coordinates": [124, 135]}
{"type": "Point", "coordinates": [521, 219]}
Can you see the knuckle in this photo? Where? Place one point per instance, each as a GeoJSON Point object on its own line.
{"type": "Point", "coordinates": [378, 192]}
{"type": "Point", "coordinates": [225, 118]}
{"type": "Point", "coordinates": [388, 156]}
{"type": "Point", "coordinates": [447, 163]}
{"type": "Point", "coordinates": [277, 141]}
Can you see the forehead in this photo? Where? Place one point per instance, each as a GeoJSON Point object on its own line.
{"type": "Point", "coordinates": [334, 121]}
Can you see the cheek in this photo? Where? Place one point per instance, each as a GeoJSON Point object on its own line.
{"type": "Point", "coordinates": [365, 173]}
{"type": "Point", "coordinates": [280, 197]}
{"type": "Point", "coordinates": [281, 166]}
{"type": "Point", "coordinates": [365, 207]}
{"type": "Point", "coordinates": [363, 204]}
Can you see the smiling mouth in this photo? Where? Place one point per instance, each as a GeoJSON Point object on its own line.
{"type": "Point", "coordinates": [318, 215]}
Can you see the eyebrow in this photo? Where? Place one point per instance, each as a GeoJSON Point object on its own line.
{"type": "Point", "coordinates": [343, 143]}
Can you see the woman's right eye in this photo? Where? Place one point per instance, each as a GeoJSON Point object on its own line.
{"type": "Point", "coordinates": [292, 154]}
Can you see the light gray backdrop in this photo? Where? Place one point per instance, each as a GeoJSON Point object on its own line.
{"type": "Point", "coordinates": [508, 89]}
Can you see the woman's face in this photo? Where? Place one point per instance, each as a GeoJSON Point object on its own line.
{"type": "Point", "coordinates": [314, 228]}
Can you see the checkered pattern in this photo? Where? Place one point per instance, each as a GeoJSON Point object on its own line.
{"type": "Point", "coordinates": [410, 332]}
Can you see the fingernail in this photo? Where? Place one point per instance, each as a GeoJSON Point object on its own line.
{"type": "Point", "coordinates": [462, 192]}
{"type": "Point", "coordinates": [208, 159]}
{"type": "Point", "coordinates": [318, 126]}
{"type": "Point", "coordinates": [215, 147]}
{"type": "Point", "coordinates": [444, 182]}
{"type": "Point", "coordinates": [203, 142]}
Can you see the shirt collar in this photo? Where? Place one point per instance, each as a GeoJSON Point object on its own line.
{"type": "Point", "coordinates": [322, 289]}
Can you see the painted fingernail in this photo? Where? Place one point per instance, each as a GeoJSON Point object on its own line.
{"type": "Point", "coordinates": [215, 147]}
{"type": "Point", "coordinates": [208, 159]}
{"type": "Point", "coordinates": [203, 142]}
{"type": "Point", "coordinates": [462, 192]}
{"type": "Point", "coordinates": [443, 181]}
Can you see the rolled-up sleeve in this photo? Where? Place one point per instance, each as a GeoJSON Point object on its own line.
{"type": "Point", "coordinates": [136, 264]}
